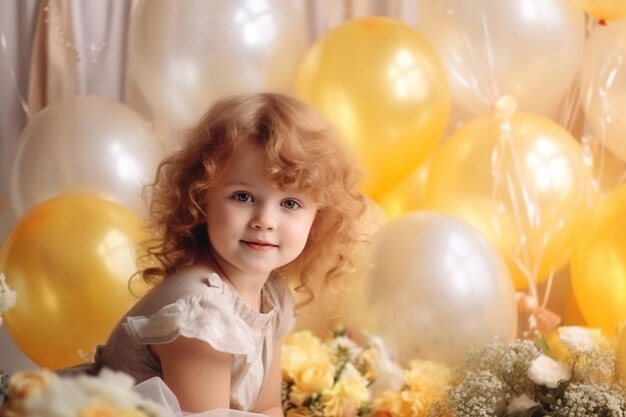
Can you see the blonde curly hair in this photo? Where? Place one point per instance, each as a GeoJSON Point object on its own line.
{"type": "Point", "coordinates": [301, 150]}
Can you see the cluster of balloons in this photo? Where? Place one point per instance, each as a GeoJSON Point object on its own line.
{"type": "Point", "coordinates": [75, 183]}
{"type": "Point", "coordinates": [495, 207]}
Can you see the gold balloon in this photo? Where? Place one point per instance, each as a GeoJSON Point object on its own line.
{"type": "Point", "coordinates": [599, 263]}
{"type": "Point", "coordinates": [605, 9]}
{"type": "Point", "coordinates": [69, 259]}
{"type": "Point", "coordinates": [523, 183]}
{"type": "Point", "coordinates": [408, 195]}
{"type": "Point", "coordinates": [386, 91]}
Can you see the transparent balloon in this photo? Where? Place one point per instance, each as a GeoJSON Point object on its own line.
{"type": "Point", "coordinates": [70, 260]}
{"type": "Point", "coordinates": [84, 144]}
{"type": "Point", "coordinates": [184, 54]}
{"type": "Point", "coordinates": [598, 264]}
{"type": "Point", "coordinates": [528, 49]}
{"type": "Point", "coordinates": [384, 88]}
{"type": "Point", "coordinates": [523, 182]}
{"type": "Point", "coordinates": [437, 287]}
{"type": "Point", "coordinates": [603, 86]}
{"type": "Point", "coordinates": [605, 9]}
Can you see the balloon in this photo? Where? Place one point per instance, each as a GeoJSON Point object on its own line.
{"type": "Point", "coordinates": [528, 49]}
{"type": "Point", "coordinates": [409, 194]}
{"type": "Point", "coordinates": [605, 9]}
{"type": "Point", "coordinates": [598, 263]}
{"type": "Point", "coordinates": [69, 260]}
{"type": "Point", "coordinates": [608, 170]}
{"type": "Point", "coordinates": [186, 54]}
{"type": "Point", "coordinates": [523, 183]}
{"type": "Point", "coordinates": [437, 287]}
{"type": "Point", "coordinates": [382, 85]}
{"type": "Point", "coordinates": [603, 86]}
{"type": "Point", "coordinates": [84, 144]}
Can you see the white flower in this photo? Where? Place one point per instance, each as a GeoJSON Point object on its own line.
{"type": "Point", "coordinates": [579, 339]}
{"type": "Point", "coordinates": [389, 375]}
{"type": "Point", "coordinates": [68, 396]}
{"type": "Point", "coordinates": [344, 342]}
{"type": "Point", "coordinates": [546, 371]}
{"type": "Point", "coordinates": [520, 403]}
{"type": "Point", "coordinates": [7, 295]}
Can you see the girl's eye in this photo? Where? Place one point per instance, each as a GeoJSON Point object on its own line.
{"type": "Point", "coordinates": [291, 204]}
{"type": "Point", "coordinates": [242, 197]}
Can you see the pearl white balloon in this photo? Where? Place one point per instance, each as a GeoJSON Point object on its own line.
{"type": "Point", "coordinates": [84, 144]}
{"type": "Point", "coordinates": [528, 49]}
{"type": "Point", "coordinates": [184, 54]}
{"type": "Point", "coordinates": [437, 288]}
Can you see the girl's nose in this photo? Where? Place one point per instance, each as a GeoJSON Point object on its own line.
{"type": "Point", "coordinates": [264, 219]}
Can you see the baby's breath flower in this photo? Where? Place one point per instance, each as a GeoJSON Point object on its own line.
{"type": "Point", "coordinates": [479, 394]}
{"type": "Point", "coordinates": [591, 400]}
{"type": "Point", "coordinates": [508, 361]}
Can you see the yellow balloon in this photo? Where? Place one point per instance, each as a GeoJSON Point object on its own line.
{"type": "Point", "coordinates": [408, 195]}
{"type": "Point", "coordinates": [599, 263]}
{"type": "Point", "coordinates": [605, 9]}
{"type": "Point", "coordinates": [385, 89]}
{"type": "Point", "coordinates": [523, 183]}
{"type": "Point", "coordinates": [69, 259]}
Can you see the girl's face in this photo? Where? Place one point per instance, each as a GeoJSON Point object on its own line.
{"type": "Point", "coordinates": [253, 226]}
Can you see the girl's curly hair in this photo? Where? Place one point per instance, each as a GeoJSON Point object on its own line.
{"type": "Point", "coordinates": [301, 150]}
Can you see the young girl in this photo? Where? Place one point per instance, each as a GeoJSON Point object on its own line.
{"type": "Point", "coordinates": [261, 193]}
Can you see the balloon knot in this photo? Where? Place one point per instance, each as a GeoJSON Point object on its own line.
{"type": "Point", "coordinates": [602, 22]}
{"type": "Point", "coordinates": [504, 108]}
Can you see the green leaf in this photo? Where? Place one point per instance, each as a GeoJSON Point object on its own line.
{"type": "Point", "coordinates": [542, 345]}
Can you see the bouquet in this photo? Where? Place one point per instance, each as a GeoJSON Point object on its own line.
{"type": "Point", "coordinates": [571, 372]}
{"type": "Point", "coordinates": [42, 393]}
{"type": "Point", "coordinates": [334, 378]}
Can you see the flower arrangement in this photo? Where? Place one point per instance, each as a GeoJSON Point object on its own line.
{"type": "Point", "coordinates": [341, 377]}
{"type": "Point", "coordinates": [334, 378]}
{"type": "Point", "coordinates": [571, 372]}
{"type": "Point", "coordinates": [42, 393]}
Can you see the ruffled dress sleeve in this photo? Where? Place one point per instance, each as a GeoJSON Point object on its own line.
{"type": "Point", "coordinates": [206, 314]}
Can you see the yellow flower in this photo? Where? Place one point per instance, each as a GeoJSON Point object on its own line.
{"type": "Point", "coordinates": [428, 377]}
{"type": "Point", "coordinates": [299, 412]}
{"type": "Point", "coordinates": [347, 395]}
{"type": "Point", "coordinates": [406, 403]}
{"type": "Point", "coordinates": [28, 383]}
{"type": "Point", "coordinates": [306, 363]}
{"type": "Point", "coordinates": [104, 410]}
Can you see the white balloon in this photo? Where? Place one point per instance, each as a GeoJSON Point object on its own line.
{"type": "Point", "coordinates": [184, 54]}
{"type": "Point", "coordinates": [84, 144]}
{"type": "Point", "coordinates": [437, 288]}
{"type": "Point", "coordinates": [528, 49]}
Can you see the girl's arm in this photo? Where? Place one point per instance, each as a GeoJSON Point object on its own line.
{"type": "Point", "coordinates": [269, 402]}
{"type": "Point", "coordinates": [197, 374]}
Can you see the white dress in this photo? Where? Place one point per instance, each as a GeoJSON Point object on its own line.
{"type": "Point", "coordinates": [196, 303]}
